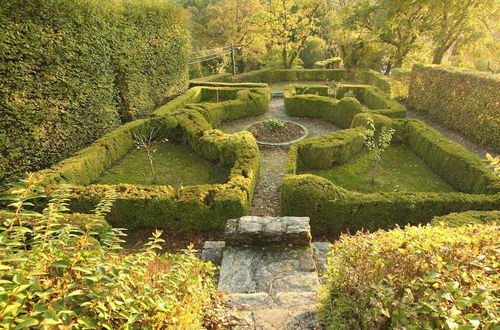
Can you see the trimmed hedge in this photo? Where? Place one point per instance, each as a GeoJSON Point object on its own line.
{"type": "Point", "coordinates": [201, 207]}
{"type": "Point", "coordinates": [395, 85]}
{"type": "Point", "coordinates": [465, 218]}
{"type": "Point", "coordinates": [281, 75]}
{"type": "Point", "coordinates": [71, 71]}
{"type": "Point", "coordinates": [331, 63]}
{"type": "Point", "coordinates": [197, 83]}
{"type": "Point", "coordinates": [462, 169]}
{"type": "Point", "coordinates": [325, 151]}
{"type": "Point", "coordinates": [376, 100]}
{"type": "Point", "coordinates": [334, 210]}
{"type": "Point", "coordinates": [465, 101]}
{"type": "Point", "coordinates": [400, 82]}
{"type": "Point", "coordinates": [313, 101]}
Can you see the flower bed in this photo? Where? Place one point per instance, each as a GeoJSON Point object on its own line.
{"type": "Point", "coordinates": [277, 132]}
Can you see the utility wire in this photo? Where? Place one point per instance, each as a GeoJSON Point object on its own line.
{"type": "Point", "coordinates": [207, 50]}
{"type": "Point", "coordinates": [207, 59]}
{"type": "Point", "coordinates": [204, 56]}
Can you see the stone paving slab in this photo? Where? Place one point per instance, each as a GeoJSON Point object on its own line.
{"type": "Point", "coordinates": [321, 250]}
{"type": "Point", "coordinates": [287, 310]}
{"type": "Point", "coordinates": [271, 270]}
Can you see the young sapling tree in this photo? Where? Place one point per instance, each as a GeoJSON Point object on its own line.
{"type": "Point", "coordinates": [149, 144]}
{"type": "Point", "coordinates": [376, 144]}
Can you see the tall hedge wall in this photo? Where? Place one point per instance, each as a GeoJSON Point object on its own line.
{"type": "Point", "coordinates": [465, 101]}
{"type": "Point", "coordinates": [72, 70]}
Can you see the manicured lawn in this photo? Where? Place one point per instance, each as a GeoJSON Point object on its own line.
{"type": "Point", "coordinates": [399, 170]}
{"type": "Point", "coordinates": [175, 165]}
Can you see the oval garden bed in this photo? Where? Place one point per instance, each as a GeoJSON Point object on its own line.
{"type": "Point", "coordinates": [275, 132]}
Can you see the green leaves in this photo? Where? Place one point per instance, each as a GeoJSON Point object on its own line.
{"type": "Point", "coordinates": [56, 275]}
{"type": "Point", "coordinates": [441, 281]}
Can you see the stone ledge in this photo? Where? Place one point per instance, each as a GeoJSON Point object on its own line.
{"type": "Point", "coordinates": [256, 231]}
{"type": "Point", "coordinates": [213, 251]}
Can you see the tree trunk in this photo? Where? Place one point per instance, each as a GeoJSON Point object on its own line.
{"type": "Point", "coordinates": [388, 68]}
{"type": "Point", "coordinates": [438, 55]}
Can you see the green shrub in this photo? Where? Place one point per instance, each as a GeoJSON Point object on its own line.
{"type": "Point", "coordinates": [351, 211]}
{"type": "Point", "coordinates": [56, 275]}
{"type": "Point", "coordinates": [200, 83]}
{"type": "Point", "coordinates": [74, 70]}
{"type": "Point", "coordinates": [281, 75]}
{"type": "Point", "coordinates": [328, 150]}
{"type": "Point", "coordinates": [464, 101]}
{"type": "Point", "coordinates": [400, 82]}
{"type": "Point", "coordinates": [202, 207]}
{"type": "Point", "coordinates": [340, 112]}
{"type": "Point", "coordinates": [462, 169]}
{"type": "Point", "coordinates": [464, 218]}
{"type": "Point", "coordinates": [331, 63]}
{"type": "Point", "coordinates": [414, 278]}
{"type": "Point", "coordinates": [376, 100]}
{"type": "Point", "coordinates": [355, 211]}
{"type": "Point", "coordinates": [314, 50]}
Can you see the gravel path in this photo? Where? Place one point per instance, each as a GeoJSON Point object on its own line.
{"type": "Point", "coordinates": [273, 159]}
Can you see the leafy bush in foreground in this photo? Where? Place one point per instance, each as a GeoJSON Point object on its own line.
{"type": "Point", "coordinates": [415, 278]}
{"type": "Point", "coordinates": [57, 275]}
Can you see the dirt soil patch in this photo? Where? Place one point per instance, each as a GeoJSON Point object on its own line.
{"type": "Point", "coordinates": [266, 132]}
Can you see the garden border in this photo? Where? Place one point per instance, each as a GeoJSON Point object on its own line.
{"type": "Point", "coordinates": [334, 210]}
{"type": "Point", "coordinates": [198, 207]}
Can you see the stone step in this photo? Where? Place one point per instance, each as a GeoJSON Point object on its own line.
{"type": "Point", "coordinates": [268, 270]}
{"type": "Point", "coordinates": [285, 310]}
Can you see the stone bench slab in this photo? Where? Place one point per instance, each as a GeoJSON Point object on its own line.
{"type": "Point", "coordinates": [255, 231]}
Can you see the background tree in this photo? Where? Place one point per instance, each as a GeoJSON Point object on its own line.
{"type": "Point", "coordinates": [239, 22]}
{"type": "Point", "coordinates": [456, 19]}
{"type": "Point", "coordinates": [397, 24]}
{"type": "Point", "coordinates": [315, 50]}
{"type": "Point", "coordinates": [290, 24]}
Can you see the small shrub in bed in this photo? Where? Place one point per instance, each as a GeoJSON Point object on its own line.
{"type": "Point", "coordinates": [55, 274]}
{"type": "Point", "coordinates": [433, 277]}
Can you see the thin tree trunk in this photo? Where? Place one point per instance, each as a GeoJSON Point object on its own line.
{"type": "Point", "coordinates": [438, 55]}
{"type": "Point", "coordinates": [152, 170]}
{"type": "Point", "coordinates": [388, 68]}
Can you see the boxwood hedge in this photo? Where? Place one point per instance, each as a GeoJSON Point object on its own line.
{"type": "Point", "coordinates": [279, 75]}
{"type": "Point", "coordinates": [201, 207]}
{"type": "Point", "coordinates": [465, 101]}
{"type": "Point", "coordinates": [71, 71]}
{"type": "Point", "coordinates": [331, 63]}
{"type": "Point", "coordinates": [314, 101]}
{"type": "Point", "coordinates": [334, 210]}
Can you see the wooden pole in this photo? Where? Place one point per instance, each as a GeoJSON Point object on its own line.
{"type": "Point", "coordinates": [232, 59]}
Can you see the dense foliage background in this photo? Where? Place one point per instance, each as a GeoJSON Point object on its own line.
{"type": "Point", "coordinates": [70, 71]}
{"type": "Point", "coordinates": [381, 35]}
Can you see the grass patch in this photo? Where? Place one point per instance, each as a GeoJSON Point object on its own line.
{"type": "Point", "coordinates": [400, 170]}
{"type": "Point", "coordinates": [175, 165]}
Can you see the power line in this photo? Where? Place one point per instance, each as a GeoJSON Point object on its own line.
{"type": "Point", "coordinates": [204, 56]}
{"type": "Point", "coordinates": [207, 59]}
{"type": "Point", "coordinates": [213, 49]}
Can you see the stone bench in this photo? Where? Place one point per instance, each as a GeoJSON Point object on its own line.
{"type": "Point", "coordinates": [259, 231]}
